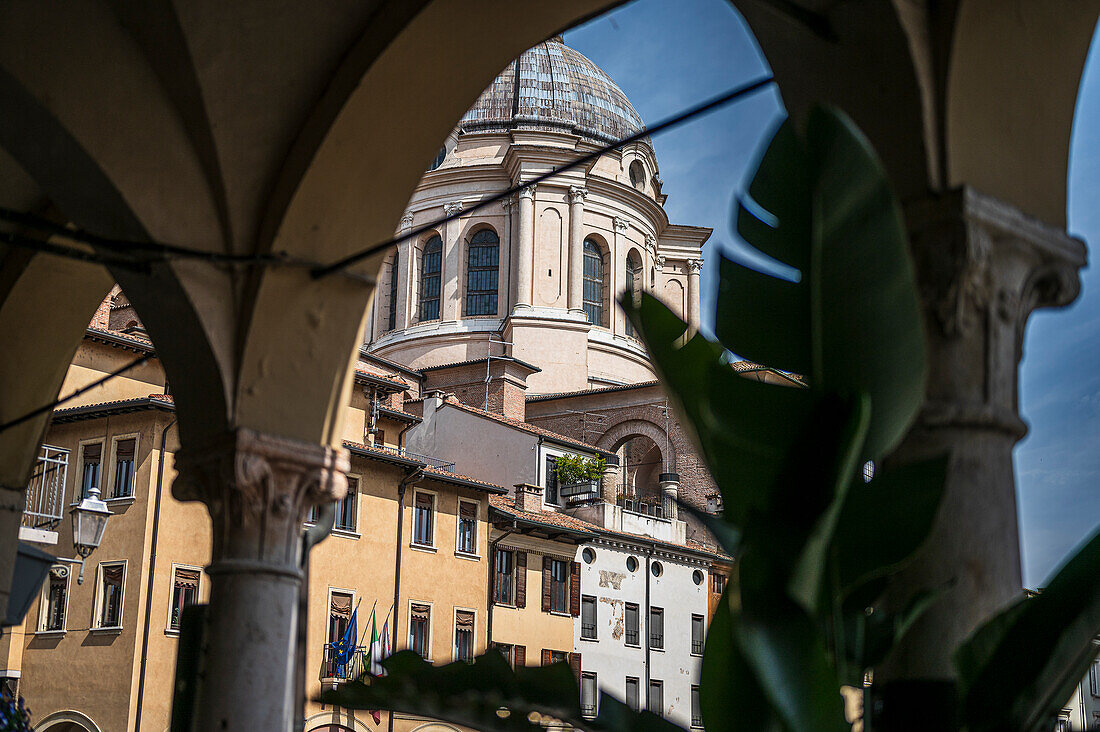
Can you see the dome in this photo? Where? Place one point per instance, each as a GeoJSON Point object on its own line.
{"type": "Point", "coordinates": [553, 87]}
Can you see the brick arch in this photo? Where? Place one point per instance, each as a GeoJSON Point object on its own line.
{"type": "Point", "coordinates": [620, 432]}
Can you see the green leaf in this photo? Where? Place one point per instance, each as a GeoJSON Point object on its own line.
{"type": "Point", "coordinates": [486, 695]}
{"type": "Point", "coordinates": [1018, 669]}
{"type": "Point", "coordinates": [885, 521]}
{"type": "Point", "coordinates": [729, 696]}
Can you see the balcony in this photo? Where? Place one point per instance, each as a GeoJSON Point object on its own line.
{"type": "Point", "coordinates": [342, 667]}
{"type": "Point", "coordinates": [646, 503]}
{"type": "Point", "coordinates": [432, 462]}
{"type": "Point", "coordinates": [45, 496]}
{"type": "Point", "coordinates": [575, 494]}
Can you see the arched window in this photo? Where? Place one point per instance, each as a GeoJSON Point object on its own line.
{"type": "Point", "coordinates": [391, 322]}
{"type": "Point", "coordinates": [429, 279]}
{"type": "Point", "coordinates": [637, 175]}
{"type": "Point", "coordinates": [634, 278]}
{"type": "Point", "coordinates": [593, 282]}
{"type": "Point", "coordinates": [481, 273]}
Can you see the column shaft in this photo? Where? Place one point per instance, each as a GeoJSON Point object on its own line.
{"type": "Point", "coordinates": [576, 249]}
{"type": "Point", "coordinates": [694, 267]}
{"type": "Point", "coordinates": [525, 247]}
{"type": "Point", "coordinates": [452, 267]}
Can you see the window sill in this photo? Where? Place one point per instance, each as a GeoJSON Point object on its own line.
{"type": "Point", "coordinates": [590, 640]}
{"type": "Point", "coordinates": [423, 548]}
{"type": "Point", "coordinates": [113, 630]}
{"type": "Point", "coordinates": [50, 633]}
{"type": "Point", "coordinates": [120, 501]}
{"type": "Point", "coordinates": [468, 555]}
{"type": "Point", "coordinates": [633, 645]}
{"type": "Point", "coordinates": [559, 614]}
{"type": "Point", "coordinates": [659, 650]}
{"type": "Point", "coordinates": [171, 632]}
{"type": "Point", "coordinates": [696, 655]}
{"type": "Point", "coordinates": [346, 534]}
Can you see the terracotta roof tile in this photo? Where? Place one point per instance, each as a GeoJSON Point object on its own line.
{"type": "Point", "coordinates": [395, 380]}
{"type": "Point", "coordinates": [429, 470]}
{"type": "Point", "coordinates": [586, 392]}
{"type": "Point", "coordinates": [526, 427]}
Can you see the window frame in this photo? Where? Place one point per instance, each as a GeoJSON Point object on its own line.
{"type": "Point", "coordinates": [99, 597]}
{"type": "Point", "coordinates": [64, 573]}
{"type": "Point", "coordinates": [471, 270]}
{"type": "Point", "coordinates": [113, 468]}
{"type": "Point", "coordinates": [474, 553]}
{"type": "Point", "coordinates": [454, 635]}
{"type": "Point", "coordinates": [428, 635]}
{"type": "Point", "coordinates": [511, 576]}
{"type": "Point", "coordinates": [591, 710]}
{"type": "Point", "coordinates": [599, 279]}
{"type": "Point", "coordinates": [696, 707]}
{"type": "Point", "coordinates": [172, 594]}
{"type": "Point", "coordinates": [328, 605]}
{"type": "Point", "coordinates": [413, 542]}
{"type": "Point", "coordinates": [637, 632]}
{"type": "Point", "coordinates": [637, 705]}
{"type": "Point", "coordinates": [78, 477]}
{"type": "Point", "coordinates": [634, 279]}
{"type": "Point", "coordinates": [698, 646]}
{"type": "Point", "coordinates": [425, 275]}
{"type": "Point", "coordinates": [563, 584]}
{"type": "Point", "coordinates": [590, 601]}
{"type": "Point", "coordinates": [391, 317]}
{"type": "Point", "coordinates": [659, 685]}
{"type": "Point", "coordinates": [337, 529]}
{"type": "Point", "coordinates": [656, 641]}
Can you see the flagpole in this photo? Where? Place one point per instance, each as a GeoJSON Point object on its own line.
{"type": "Point", "coordinates": [372, 615]}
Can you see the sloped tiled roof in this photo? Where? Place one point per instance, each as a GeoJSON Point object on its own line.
{"type": "Point", "coordinates": [586, 392]}
{"type": "Point", "coordinates": [117, 406]}
{"type": "Point", "coordinates": [393, 456]}
{"type": "Point", "coordinates": [527, 427]}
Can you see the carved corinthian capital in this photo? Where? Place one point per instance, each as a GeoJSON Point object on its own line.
{"type": "Point", "coordinates": [452, 208]}
{"type": "Point", "coordinates": [577, 194]}
{"type": "Point", "coordinates": [258, 489]}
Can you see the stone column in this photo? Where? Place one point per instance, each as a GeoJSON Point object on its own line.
{"type": "Point", "coordinates": [694, 267]}
{"type": "Point", "coordinates": [405, 275]}
{"type": "Point", "coordinates": [525, 247]}
{"type": "Point", "coordinates": [983, 267]}
{"type": "Point", "coordinates": [609, 481]}
{"type": "Point", "coordinates": [614, 275]}
{"type": "Point", "coordinates": [576, 249]}
{"type": "Point", "coordinates": [258, 489]}
{"type": "Point", "coordinates": [504, 282]}
{"type": "Point", "coordinates": [649, 284]}
{"type": "Point", "coordinates": [670, 489]}
{"type": "Point", "coordinates": [452, 268]}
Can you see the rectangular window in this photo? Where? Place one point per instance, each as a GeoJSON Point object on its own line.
{"type": "Point", "coordinates": [632, 692]}
{"type": "Point", "coordinates": [185, 591]}
{"type": "Point", "coordinates": [717, 584]}
{"type": "Point", "coordinates": [588, 694]}
{"type": "Point", "coordinates": [110, 595]}
{"type": "Point", "coordinates": [656, 627]}
{"type": "Point", "coordinates": [90, 457]}
{"type": "Point", "coordinates": [423, 510]}
{"type": "Point", "coordinates": [631, 624]}
{"type": "Point", "coordinates": [508, 651]}
{"type": "Point", "coordinates": [467, 527]}
{"type": "Point", "coordinates": [124, 468]}
{"type": "Point", "coordinates": [504, 572]}
{"type": "Point", "coordinates": [346, 507]}
{"type": "Point", "coordinates": [655, 701]}
{"type": "Point", "coordinates": [696, 710]}
{"type": "Point", "coordinates": [420, 628]}
{"type": "Point", "coordinates": [464, 635]}
{"type": "Point", "coordinates": [697, 635]}
{"type": "Point", "coordinates": [559, 586]}
{"type": "Point", "coordinates": [551, 483]}
{"type": "Point", "coordinates": [339, 615]}
{"type": "Point", "coordinates": [1094, 678]}
{"type": "Point", "coordinates": [588, 617]}
{"type": "Point", "coordinates": [57, 594]}
{"type": "Point", "coordinates": [558, 656]}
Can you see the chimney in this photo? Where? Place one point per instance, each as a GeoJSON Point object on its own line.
{"type": "Point", "coordinates": [433, 400]}
{"type": "Point", "coordinates": [528, 498]}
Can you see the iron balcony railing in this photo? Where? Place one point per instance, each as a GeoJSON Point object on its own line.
{"type": "Point", "coordinates": [588, 631]}
{"type": "Point", "coordinates": [697, 646]}
{"type": "Point", "coordinates": [46, 490]}
{"type": "Point", "coordinates": [632, 637]}
{"type": "Point", "coordinates": [647, 504]}
{"type": "Point", "coordinates": [656, 640]}
{"type": "Point", "coordinates": [347, 666]}
{"type": "Point", "coordinates": [576, 493]}
{"type": "Point", "coordinates": [432, 462]}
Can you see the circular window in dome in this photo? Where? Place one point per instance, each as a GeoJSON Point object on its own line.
{"type": "Point", "coordinates": [637, 175]}
{"type": "Point", "coordinates": [656, 569]}
{"type": "Point", "coordinates": [631, 564]}
{"type": "Point", "coordinates": [588, 555]}
{"type": "Point", "coordinates": [697, 577]}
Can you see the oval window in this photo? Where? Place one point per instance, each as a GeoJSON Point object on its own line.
{"type": "Point", "coordinates": [697, 577]}
{"type": "Point", "coordinates": [656, 569]}
{"type": "Point", "coordinates": [588, 555]}
{"type": "Point", "coordinates": [631, 564]}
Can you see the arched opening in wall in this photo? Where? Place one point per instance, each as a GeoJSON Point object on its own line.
{"type": "Point", "coordinates": [641, 462]}
{"type": "Point", "coordinates": [594, 292]}
{"type": "Point", "coordinates": [67, 721]}
{"type": "Point", "coordinates": [431, 266]}
{"type": "Point", "coordinates": [391, 286]}
{"type": "Point", "coordinates": [637, 175]}
{"type": "Point", "coordinates": [633, 283]}
{"type": "Point", "coordinates": [482, 275]}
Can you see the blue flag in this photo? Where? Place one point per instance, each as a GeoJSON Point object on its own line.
{"type": "Point", "coordinates": [345, 647]}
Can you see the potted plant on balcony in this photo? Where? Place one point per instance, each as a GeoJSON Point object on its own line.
{"type": "Point", "coordinates": [574, 470]}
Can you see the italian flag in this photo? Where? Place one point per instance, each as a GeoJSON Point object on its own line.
{"type": "Point", "coordinates": [374, 660]}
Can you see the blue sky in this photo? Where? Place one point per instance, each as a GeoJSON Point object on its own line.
{"type": "Point", "coordinates": [669, 56]}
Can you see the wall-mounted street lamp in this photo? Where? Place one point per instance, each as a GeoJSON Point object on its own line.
{"type": "Point", "coordinates": [89, 519]}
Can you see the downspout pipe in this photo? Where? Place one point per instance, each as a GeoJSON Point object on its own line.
{"type": "Point", "coordinates": [648, 616]}
{"type": "Point", "coordinates": [152, 574]}
{"type": "Point", "coordinates": [412, 478]}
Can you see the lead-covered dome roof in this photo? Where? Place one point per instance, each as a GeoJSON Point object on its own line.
{"type": "Point", "coordinates": [553, 87]}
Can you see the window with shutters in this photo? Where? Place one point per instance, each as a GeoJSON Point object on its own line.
{"type": "Point", "coordinates": [631, 618]}
{"type": "Point", "coordinates": [481, 273]}
{"type": "Point", "coordinates": [551, 656]}
{"type": "Point", "coordinates": [109, 602]}
{"type": "Point", "coordinates": [467, 528]}
{"type": "Point", "coordinates": [655, 702]}
{"type": "Point", "coordinates": [55, 603]}
{"type": "Point", "coordinates": [464, 635]}
{"type": "Point", "coordinates": [632, 693]}
{"type": "Point", "coordinates": [556, 585]}
{"type": "Point", "coordinates": [339, 615]}
{"type": "Point", "coordinates": [504, 573]}
{"type": "Point", "coordinates": [391, 318]}
{"type": "Point", "coordinates": [185, 591]}
{"type": "Point", "coordinates": [696, 709]}
{"type": "Point", "coordinates": [347, 507]}
{"type": "Point", "coordinates": [430, 265]}
{"type": "Point", "coordinates": [507, 651]}
{"type": "Point", "coordinates": [697, 635]}
{"type": "Point", "coordinates": [656, 628]}
{"type": "Point", "coordinates": [551, 491]}
{"type": "Point", "coordinates": [717, 584]}
{"type": "Point", "coordinates": [423, 519]}
{"type": "Point", "coordinates": [91, 456]}
{"type": "Point", "coordinates": [588, 694]}
{"type": "Point", "coordinates": [420, 627]}
{"type": "Point", "coordinates": [123, 486]}
{"type": "Point", "coordinates": [588, 617]}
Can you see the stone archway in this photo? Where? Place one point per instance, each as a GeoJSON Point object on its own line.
{"type": "Point", "coordinates": [67, 721]}
{"type": "Point", "coordinates": [620, 432]}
